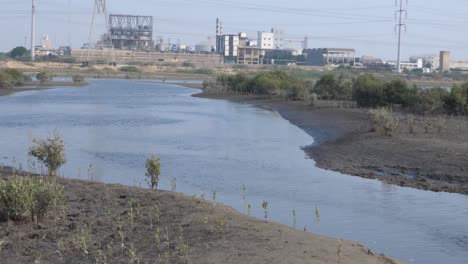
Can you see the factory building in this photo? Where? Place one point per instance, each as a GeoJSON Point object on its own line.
{"type": "Point", "coordinates": [266, 40]}
{"type": "Point", "coordinates": [129, 32]}
{"type": "Point", "coordinates": [444, 61]}
{"type": "Point", "coordinates": [228, 46]}
{"type": "Point", "coordinates": [430, 62]}
{"type": "Point", "coordinates": [327, 56]}
{"type": "Point", "coordinates": [204, 47]}
{"type": "Point", "coordinates": [249, 55]}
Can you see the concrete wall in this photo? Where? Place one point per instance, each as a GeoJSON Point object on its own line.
{"type": "Point", "coordinates": [122, 56]}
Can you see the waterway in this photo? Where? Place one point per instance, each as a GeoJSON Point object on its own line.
{"type": "Point", "coordinates": [212, 145]}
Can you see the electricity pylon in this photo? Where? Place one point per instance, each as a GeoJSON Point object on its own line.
{"type": "Point", "coordinates": [100, 9]}
{"type": "Point", "coordinates": [33, 30]}
{"type": "Point", "coordinates": [400, 24]}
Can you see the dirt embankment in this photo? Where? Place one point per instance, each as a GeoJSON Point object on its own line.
{"type": "Point", "coordinates": [100, 223]}
{"type": "Point", "coordinates": [428, 161]}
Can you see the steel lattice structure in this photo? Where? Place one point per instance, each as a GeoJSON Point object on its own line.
{"type": "Point", "coordinates": [105, 41]}
{"type": "Point", "coordinates": [131, 32]}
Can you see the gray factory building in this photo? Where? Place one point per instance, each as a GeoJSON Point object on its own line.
{"type": "Point", "coordinates": [131, 32]}
{"type": "Point", "coordinates": [327, 56]}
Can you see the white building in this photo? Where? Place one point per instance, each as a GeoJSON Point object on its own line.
{"type": "Point", "coordinates": [408, 65]}
{"type": "Point", "coordinates": [266, 40]}
{"type": "Point", "coordinates": [432, 61]}
{"type": "Point", "coordinates": [279, 38]}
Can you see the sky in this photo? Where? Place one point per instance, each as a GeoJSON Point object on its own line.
{"type": "Point", "coordinates": [365, 25]}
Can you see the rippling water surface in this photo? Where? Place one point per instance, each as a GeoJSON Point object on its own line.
{"type": "Point", "coordinates": [210, 145]}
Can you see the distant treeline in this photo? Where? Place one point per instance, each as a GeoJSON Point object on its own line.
{"type": "Point", "coordinates": [366, 90]}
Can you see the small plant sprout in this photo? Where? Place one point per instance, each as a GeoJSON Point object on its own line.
{"type": "Point", "coordinates": [339, 250]}
{"type": "Point", "coordinates": [132, 255]}
{"type": "Point", "coordinates": [157, 237]}
{"type": "Point", "coordinates": [317, 216]}
{"type": "Point", "coordinates": [214, 198]}
{"type": "Point", "coordinates": [265, 209]}
{"type": "Point", "coordinates": [138, 209]}
{"type": "Point", "coordinates": [411, 122]}
{"type": "Point", "coordinates": [243, 192]}
{"type": "Point", "coordinates": [153, 171]}
{"type": "Point", "coordinates": [294, 218]}
{"type": "Point", "coordinates": [108, 215]}
{"type": "Point", "coordinates": [183, 246]}
{"type": "Point", "coordinates": [174, 184]}
{"type": "Point", "coordinates": [158, 213]}
{"type": "Point", "coordinates": [168, 251]}
{"type": "Point", "coordinates": [205, 220]}
{"type": "Point", "coordinates": [132, 217]}
{"type": "Point", "coordinates": [50, 152]}
{"type": "Point", "coordinates": [91, 172]}
{"type": "Point", "coordinates": [84, 238]}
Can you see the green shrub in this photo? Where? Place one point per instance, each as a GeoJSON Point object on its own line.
{"type": "Point", "coordinates": [42, 77]}
{"type": "Point", "coordinates": [153, 171]}
{"type": "Point", "coordinates": [384, 120]}
{"type": "Point", "coordinates": [10, 78]}
{"type": "Point", "coordinates": [78, 78]}
{"type": "Point", "coordinates": [456, 102]}
{"type": "Point", "coordinates": [130, 69]}
{"type": "Point", "coordinates": [368, 91]}
{"type": "Point", "coordinates": [22, 197]}
{"type": "Point", "coordinates": [428, 101]}
{"type": "Point", "coordinates": [50, 152]}
{"type": "Point", "coordinates": [329, 88]}
{"type": "Point", "coordinates": [187, 64]}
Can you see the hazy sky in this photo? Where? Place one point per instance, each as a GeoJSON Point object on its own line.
{"type": "Point", "coordinates": [366, 25]}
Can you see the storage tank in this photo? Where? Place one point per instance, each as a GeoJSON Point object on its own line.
{"type": "Point", "coordinates": [204, 46]}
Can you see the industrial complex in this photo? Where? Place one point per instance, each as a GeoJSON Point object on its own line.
{"type": "Point", "coordinates": [130, 38]}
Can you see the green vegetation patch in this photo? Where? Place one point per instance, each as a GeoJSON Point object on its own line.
{"type": "Point", "coordinates": [23, 196]}
{"type": "Point", "coordinates": [10, 78]}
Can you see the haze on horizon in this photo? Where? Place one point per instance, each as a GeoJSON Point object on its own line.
{"type": "Point", "coordinates": [365, 25]}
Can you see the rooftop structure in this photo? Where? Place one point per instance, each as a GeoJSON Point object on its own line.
{"type": "Point", "coordinates": [326, 56]}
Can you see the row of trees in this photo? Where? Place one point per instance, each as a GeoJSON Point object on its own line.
{"type": "Point", "coordinates": [369, 91]}
{"type": "Point", "coordinates": [267, 83]}
{"type": "Point", "coordinates": [366, 90]}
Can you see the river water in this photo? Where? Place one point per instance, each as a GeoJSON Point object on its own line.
{"type": "Point", "coordinates": [211, 145]}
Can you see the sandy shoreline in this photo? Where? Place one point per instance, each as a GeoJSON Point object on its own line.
{"type": "Point", "coordinates": [344, 144]}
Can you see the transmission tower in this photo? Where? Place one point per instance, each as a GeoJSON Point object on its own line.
{"type": "Point", "coordinates": [400, 11]}
{"type": "Point", "coordinates": [33, 29]}
{"type": "Point", "coordinates": [100, 9]}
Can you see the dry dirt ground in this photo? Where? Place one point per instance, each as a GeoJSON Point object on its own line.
{"type": "Point", "coordinates": [98, 223]}
{"type": "Point", "coordinates": [436, 161]}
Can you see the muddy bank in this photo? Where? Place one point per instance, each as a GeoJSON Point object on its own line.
{"type": "Point", "coordinates": [100, 223]}
{"type": "Point", "coordinates": [344, 143]}
{"type": "Point", "coordinates": [37, 86]}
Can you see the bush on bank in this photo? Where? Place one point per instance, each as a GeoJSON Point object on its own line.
{"type": "Point", "coordinates": [10, 78]}
{"type": "Point", "coordinates": [266, 83]}
{"type": "Point", "coordinates": [369, 91]}
{"type": "Point", "coordinates": [22, 197]}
